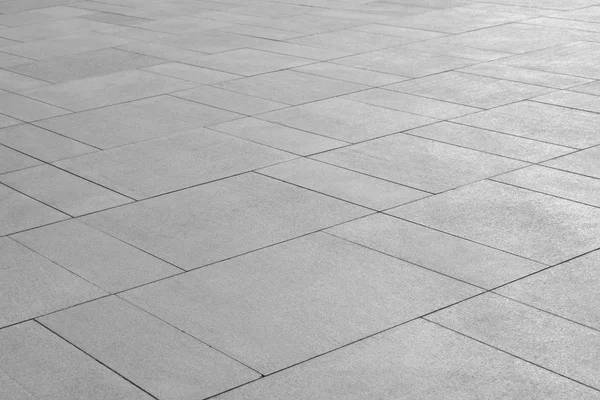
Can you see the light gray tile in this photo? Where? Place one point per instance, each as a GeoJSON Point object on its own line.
{"type": "Point", "coordinates": [222, 219]}
{"type": "Point", "coordinates": [278, 136]}
{"type": "Point", "coordinates": [19, 212]}
{"type": "Point", "coordinates": [591, 14]}
{"type": "Point", "coordinates": [450, 255]}
{"type": "Point", "coordinates": [135, 121]}
{"type": "Point", "coordinates": [399, 61]}
{"type": "Point", "coordinates": [159, 358]}
{"type": "Point", "coordinates": [181, 25]}
{"type": "Point", "coordinates": [63, 191]}
{"type": "Point", "coordinates": [211, 41]}
{"type": "Point", "coordinates": [546, 340]}
{"type": "Point", "coordinates": [27, 109]}
{"type": "Point", "coordinates": [32, 285]}
{"type": "Point", "coordinates": [586, 30]}
{"type": "Point", "coordinates": [84, 94]}
{"type": "Point", "coordinates": [228, 100]}
{"type": "Point", "coordinates": [419, 163]}
{"type": "Point", "coordinates": [17, 82]}
{"type": "Point", "coordinates": [41, 143]}
{"type": "Point", "coordinates": [350, 74]}
{"type": "Point", "coordinates": [13, 6]}
{"type": "Point", "coordinates": [559, 125]}
{"type": "Point", "coordinates": [346, 120]}
{"type": "Point", "coordinates": [265, 309]}
{"type": "Point", "coordinates": [584, 162]}
{"type": "Point", "coordinates": [85, 65]}
{"type": "Point", "coordinates": [290, 87]}
{"type": "Point", "coordinates": [344, 184]}
{"type": "Point", "coordinates": [470, 90]}
{"type": "Point", "coordinates": [95, 256]}
{"type": "Point", "coordinates": [191, 73]}
{"type": "Point", "coordinates": [45, 366]}
{"type": "Point", "coordinates": [162, 165]}
{"type": "Point", "coordinates": [47, 30]}
{"type": "Point", "coordinates": [309, 23]}
{"type": "Point", "coordinates": [409, 33]}
{"type": "Point", "coordinates": [491, 142]}
{"type": "Point", "coordinates": [416, 360]}
{"type": "Point", "coordinates": [11, 160]}
{"type": "Point", "coordinates": [262, 32]}
{"type": "Point", "coordinates": [456, 50]}
{"type": "Point", "coordinates": [568, 290]}
{"type": "Point", "coordinates": [566, 98]}
{"type": "Point", "coordinates": [589, 88]}
{"type": "Point", "coordinates": [351, 40]}
{"type": "Point", "coordinates": [298, 50]}
{"type": "Point", "coordinates": [163, 51]}
{"type": "Point", "coordinates": [412, 104]}
{"type": "Point", "coordinates": [42, 15]}
{"type": "Point", "coordinates": [533, 225]}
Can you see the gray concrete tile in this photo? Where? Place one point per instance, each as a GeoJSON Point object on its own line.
{"type": "Point", "coordinates": [191, 73]}
{"type": "Point", "coordinates": [19, 212]}
{"type": "Point", "coordinates": [419, 163]}
{"type": "Point", "coordinates": [409, 33]}
{"type": "Point", "coordinates": [544, 339]}
{"type": "Point", "coordinates": [587, 31]}
{"type": "Point", "coordinates": [416, 360]}
{"type": "Point", "coordinates": [456, 50]}
{"type": "Point", "coordinates": [212, 222]}
{"type": "Point", "coordinates": [298, 50]}
{"type": "Point", "coordinates": [547, 4]}
{"type": "Point", "coordinates": [548, 123]}
{"type": "Point", "coordinates": [41, 143]}
{"type": "Point", "coordinates": [116, 19]}
{"type": "Point", "coordinates": [231, 101]}
{"type": "Point", "coordinates": [344, 184]}
{"type": "Point", "coordinates": [533, 225]}
{"type": "Point", "coordinates": [350, 121]}
{"type": "Point", "coordinates": [175, 162]}
{"type": "Point", "coordinates": [583, 162]}
{"type": "Point", "coordinates": [88, 93]}
{"type": "Point", "coordinates": [8, 60]}
{"type": "Point", "coordinates": [290, 87]}
{"type": "Point", "coordinates": [62, 191]}
{"type": "Point", "coordinates": [350, 74]}
{"type": "Point", "coordinates": [470, 90]}
{"type": "Point", "coordinates": [42, 15]}
{"type": "Point", "coordinates": [85, 65]}
{"type": "Point", "coordinates": [578, 59]}
{"type": "Point", "coordinates": [261, 32]}
{"type": "Point", "coordinates": [165, 52]}
{"type": "Point", "coordinates": [17, 82]}
{"type": "Point", "coordinates": [181, 25]}
{"type": "Point", "coordinates": [408, 63]}
{"type": "Point", "coordinates": [309, 23]}
{"type": "Point", "coordinates": [33, 286]}
{"type": "Point", "coordinates": [265, 310]}
{"type": "Point", "coordinates": [556, 183]}
{"type": "Point", "coordinates": [27, 109]}
{"type": "Point", "coordinates": [590, 14]}
{"type": "Point", "coordinates": [95, 256]}
{"type": "Point", "coordinates": [352, 41]}
{"type": "Point", "coordinates": [47, 30]}
{"type": "Point", "coordinates": [281, 137]}
{"type": "Point", "coordinates": [491, 142]}
{"type": "Point", "coordinates": [152, 354]}
{"type": "Point", "coordinates": [568, 290]}
{"type": "Point", "coordinates": [566, 98]}
{"type": "Point", "coordinates": [11, 160]}
{"type": "Point", "coordinates": [13, 6]}
{"type": "Point", "coordinates": [42, 365]}
{"type": "Point", "coordinates": [412, 104]}
{"type": "Point", "coordinates": [589, 88]}
{"type": "Point", "coordinates": [211, 41]}
{"type": "Point", "coordinates": [135, 121]}
{"type": "Point", "coordinates": [250, 62]}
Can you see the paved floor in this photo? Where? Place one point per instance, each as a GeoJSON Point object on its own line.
{"type": "Point", "coordinates": [300, 199]}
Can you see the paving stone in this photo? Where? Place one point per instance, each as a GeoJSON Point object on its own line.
{"type": "Point", "coordinates": [175, 162]}
{"type": "Point", "coordinates": [343, 184]}
{"type": "Point", "coordinates": [47, 30]}
{"type": "Point", "coordinates": [27, 109]}
{"type": "Point", "coordinates": [529, 224]}
{"type": "Point", "coordinates": [32, 285]}
{"type": "Point", "coordinates": [8, 60]}
{"type": "Point", "coordinates": [589, 88]}
{"type": "Point", "coordinates": [460, 51]}
{"type": "Point", "coordinates": [450, 255]}
{"type": "Point", "coordinates": [13, 6]}
{"type": "Point", "coordinates": [408, 63]}
{"type": "Point", "coordinates": [11, 160]}
{"type": "Point", "coordinates": [182, 25]}
{"type": "Point", "coordinates": [278, 136]}
{"type": "Point", "coordinates": [222, 219]}
{"type": "Point", "coordinates": [559, 125]}
{"type": "Point", "coordinates": [409, 33]}
{"type": "Point", "coordinates": [265, 309]}
{"type": "Point", "coordinates": [250, 62]}
{"type": "Point", "coordinates": [566, 98]}
{"type": "Point", "coordinates": [191, 73]}
{"type": "Point", "coordinates": [62, 191]}
{"type": "Point", "coordinates": [591, 14]}
{"type": "Point", "coordinates": [568, 290]}
{"type": "Point", "coordinates": [549, 4]}
{"type": "Point", "coordinates": [85, 65]}
{"type": "Point", "coordinates": [17, 82]}
{"type": "Point", "coordinates": [308, 23]}
{"type": "Point", "coordinates": [150, 353]}
{"type": "Point", "coordinates": [41, 143]}
{"type": "Point", "coordinates": [491, 142]}
{"type": "Point", "coordinates": [350, 74]}
{"type": "Point", "coordinates": [412, 104]}
{"type": "Point", "coordinates": [578, 59]}
{"type": "Point", "coordinates": [583, 162]}
{"type": "Point", "coordinates": [116, 19]}
{"type": "Point", "coordinates": [231, 101]}
{"type": "Point", "coordinates": [262, 32]}
{"type": "Point", "coordinates": [135, 121]}
{"type": "Point", "coordinates": [95, 256]}
{"type": "Point", "coordinates": [353, 41]}
{"type": "Point", "coordinates": [580, 26]}
{"type": "Point", "coordinates": [416, 360]}
{"type": "Point", "coordinates": [42, 15]}
{"type": "Point", "coordinates": [85, 94]}
{"type": "Point", "coordinates": [290, 87]}
{"type": "Point", "coordinates": [470, 90]}
{"type": "Point", "coordinates": [346, 120]}
{"type": "Point", "coordinates": [211, 41]}
{"type": "Point", "coordinates": [551, 342]}
{"type": "Point", "coordinates": [298, 50]}
{"type": "Point", "coordinates": [419, 163]}
{"type": "Point", "coordinates": [42, 365]}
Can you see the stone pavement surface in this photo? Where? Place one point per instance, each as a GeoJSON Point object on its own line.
{"type": "Point", "coordinates": [300, 199]}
